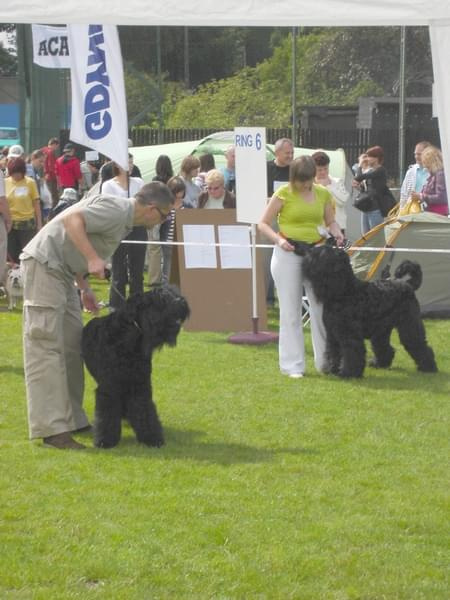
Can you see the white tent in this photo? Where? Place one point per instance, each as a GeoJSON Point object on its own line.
{"type": "Point", "coordinates": [435, 13]}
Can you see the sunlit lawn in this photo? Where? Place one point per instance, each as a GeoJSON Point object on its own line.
{"type": "Point", "coordinates": [266, 488]}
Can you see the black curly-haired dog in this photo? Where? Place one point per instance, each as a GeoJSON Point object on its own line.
{"type": "Point", "coordinates": [354, 310]}
{"type": "Point", "coordinates": [117, 350]}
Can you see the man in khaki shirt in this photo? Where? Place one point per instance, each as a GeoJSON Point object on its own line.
{"type": "Point", "coordinates": [74, 244]}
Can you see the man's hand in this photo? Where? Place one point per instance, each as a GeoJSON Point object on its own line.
{"type": "Point", "coordinates": [96, 267]}
{"type": "Point", "coordinates": [89, 301]}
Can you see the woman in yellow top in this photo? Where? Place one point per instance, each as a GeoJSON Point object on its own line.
{"type": "Point", "coordinates": [302, 209]}
{"type": "Point", "coordinates": [24, 205]}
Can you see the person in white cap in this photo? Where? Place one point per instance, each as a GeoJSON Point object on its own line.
{"type": "Point", "coordinates": [16, 151]}
{"type": "Point", "coordinates": [68, 198]}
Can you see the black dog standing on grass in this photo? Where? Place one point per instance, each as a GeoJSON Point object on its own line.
{"type": "Point", "coordinates": [117, 350]}
{"type": "Point", "coordinates": [354, 310]}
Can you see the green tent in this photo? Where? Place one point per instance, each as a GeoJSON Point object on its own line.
{"type": "Point", "coordinates": [419, 231]}
{"type": "Point", "coordinates": [145, 156]}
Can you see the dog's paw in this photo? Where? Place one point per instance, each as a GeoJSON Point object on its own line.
{"type": "Point", "coordinates": [345, 374]}
{"type": "Point", "coordinates": [105, 444]}
{"type": "Point", "coordinates": [157, 442]}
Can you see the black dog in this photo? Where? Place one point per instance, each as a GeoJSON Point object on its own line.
{"type": "Point", "coordinates": [117, 350]}
{"type": "Point", "coordinates": [354, 310]}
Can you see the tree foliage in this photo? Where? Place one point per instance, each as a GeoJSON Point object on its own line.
{"type": "Point", "coordinates": [8, 59]}
{"type": "Point", "coordinates": [335, 66]}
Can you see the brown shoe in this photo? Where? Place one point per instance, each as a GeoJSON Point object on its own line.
{"type": "Point", "coordinates": [86, 429]}
{"type": "Point", "coordinates": [63, 441]}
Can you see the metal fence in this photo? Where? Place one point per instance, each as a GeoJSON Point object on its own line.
{"type": "Point", "coordinates": [353, 141]}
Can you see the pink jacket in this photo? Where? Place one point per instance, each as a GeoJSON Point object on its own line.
{"type": "Point", "coordinates": [434, 193]}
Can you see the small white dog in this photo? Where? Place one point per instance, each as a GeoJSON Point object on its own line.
{"type": "Point", "coordinates": [14, 286]}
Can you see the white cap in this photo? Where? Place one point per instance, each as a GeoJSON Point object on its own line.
{"type": "Point", "coordinates": [16, 151]}
{"type": "Point", "coordinates": [70, 194]}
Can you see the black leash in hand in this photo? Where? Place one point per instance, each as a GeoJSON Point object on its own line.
{"type": "Point", "coordinates": [121, 296]}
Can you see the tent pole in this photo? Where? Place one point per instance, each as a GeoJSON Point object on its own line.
{"type": "Point", "coordinates": [187, 75]}
{"type": "Point", "coordinates": [294, 85]}
{"type": "Point", "coordinates": [160, 90]}
{"type": "Point", "coordinates": [402, 105]}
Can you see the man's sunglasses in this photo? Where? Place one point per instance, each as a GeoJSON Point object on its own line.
{"type": "Point", "coordinates": [161, 213]}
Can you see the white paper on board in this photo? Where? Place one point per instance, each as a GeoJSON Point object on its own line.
{"type": "Point", "coordinates": [277, 185]}
{"type": "Point", "coordinates": [235, 258]}
{"type": "Point", "coordinates": [199, 257]}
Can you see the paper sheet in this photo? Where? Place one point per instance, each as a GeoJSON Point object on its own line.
{"type": "Point", "coordinates": [277, 185]}
{"type": "Point", "coordinates": [199, 257]}
{"type": "Point", "coordinates": [235, 258]}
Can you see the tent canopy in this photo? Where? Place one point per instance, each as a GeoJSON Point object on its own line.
{"type": "Point", "coordinates": [145, 156]}
{"type": "Point", "coordinates": [423, 230]}
{"type": "Point", "coordinates": [229, 12]}
{"type": "Point", "coordinates": [264, 13]}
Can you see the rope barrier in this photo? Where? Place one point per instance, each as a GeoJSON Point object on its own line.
{"type": "Point", "coordinates": [350, 248]}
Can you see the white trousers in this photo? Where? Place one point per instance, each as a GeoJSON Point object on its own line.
{"type": "Point", "coordinates": [287, 273]}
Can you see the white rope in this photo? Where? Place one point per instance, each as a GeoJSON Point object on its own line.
{"type": "Point", "coordinates": [351, 248]}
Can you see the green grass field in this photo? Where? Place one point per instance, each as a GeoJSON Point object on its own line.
{"type": "Point", "coordinates": [267, 488]}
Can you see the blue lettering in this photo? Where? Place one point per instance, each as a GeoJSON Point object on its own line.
{"type": "Point", "coordinates": [98, 125]}
{"type": "Point", "coordinates": [96, 99]}
{"type": "Point", "coordinates": [244, 141]}
{"type": "Point", "coordinates": [98, 121]}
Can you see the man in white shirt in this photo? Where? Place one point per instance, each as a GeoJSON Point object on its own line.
{"type": "Point", "coordinates": [5, 226]}
{"type": "Point", "coordinates": [334, 185]}
{"type": "Point", "coordinates": [416, 176]}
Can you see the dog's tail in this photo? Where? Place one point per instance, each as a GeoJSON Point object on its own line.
{"type": "Point", "coordinates": [410, 272]}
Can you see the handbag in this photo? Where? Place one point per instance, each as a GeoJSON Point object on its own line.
{"type": "Point", "coordinates": [386, 202]}
{"type": "Point", "coordinates": [411, 207]}
{"type": "Point", "coordinates": [364, 202]}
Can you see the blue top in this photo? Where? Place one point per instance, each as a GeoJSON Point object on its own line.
{"type": "Point", "coordinates": [422, 175]}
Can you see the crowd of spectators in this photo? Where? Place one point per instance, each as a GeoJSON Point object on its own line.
{"type": "Point", "coordinates": [36, 188]}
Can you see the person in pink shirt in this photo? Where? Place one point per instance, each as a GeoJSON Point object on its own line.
{"type": "Point", "coordinates": [434, 193]}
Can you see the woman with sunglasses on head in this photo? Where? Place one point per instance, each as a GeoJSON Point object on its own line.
{"type": "Point", "coordinates": [129, 259]}
{"type": "Point", "coordinates": [216, 196]}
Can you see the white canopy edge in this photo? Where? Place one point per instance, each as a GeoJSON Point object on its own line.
{"type": "Point", "coordinates": [263, 13]}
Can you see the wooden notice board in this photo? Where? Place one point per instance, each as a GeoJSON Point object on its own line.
{"type": "Point", "coordinates": [220, 299]}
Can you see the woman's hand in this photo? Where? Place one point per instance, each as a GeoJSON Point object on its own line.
{"type": "Point", "coordinates": [356, 184]}
{"type": "Point", "coordinates": [285, 245]}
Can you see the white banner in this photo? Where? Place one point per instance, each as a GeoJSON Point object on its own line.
{"type": "Point", "coordinates": [50, 47]}
{"type": "Point", "coordinates": [440, 49]}
{"type": "Point", "coordinates": [99, 110]}
{"type": "Point", "coordinates": [251, 173]}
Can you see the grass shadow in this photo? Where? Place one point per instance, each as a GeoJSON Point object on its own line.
{"type": "Point", "coordinates": [191, 445]}
{"type": "Point", "coordinates": [11, 370]}
{"type": "Point", "coordinates": [397, 380]}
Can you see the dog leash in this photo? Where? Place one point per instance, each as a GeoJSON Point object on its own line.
{"type": "Point", "coordinates": [114, 287]}
{"type": "Point", "coordinates": [121, 296]}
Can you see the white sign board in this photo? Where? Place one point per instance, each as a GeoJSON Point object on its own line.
{"type": "Point", "coordinates": [251, 173]}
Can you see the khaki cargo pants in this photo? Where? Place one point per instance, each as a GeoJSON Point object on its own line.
{"type": "Point", "coordinates": [52, 329]}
